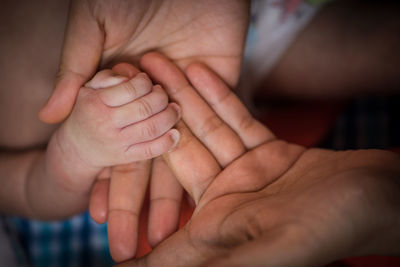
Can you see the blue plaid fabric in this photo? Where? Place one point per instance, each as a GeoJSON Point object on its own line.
{"type": "Point", "coordinates": [76, 242]}
{"type": "Point", "coordinates": [368, 122]}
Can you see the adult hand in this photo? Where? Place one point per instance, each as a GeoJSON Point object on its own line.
{"type": "Point", "coordinates": [262, 201]}
{"type": "Point", "coordinates": [101, 32]}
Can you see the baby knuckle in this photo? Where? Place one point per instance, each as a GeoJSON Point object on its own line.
{"type": "Point", "coordinates": [92, 106]}
{"type": "Point", "coordinates": [143, 80]}
{"type": "Point", "coordinates": [145, 109]}
{"type": "Point", "coordinates": [148, 152]}
{"type": "Point", "coordinates": [150, 130]}
{"type": "Point", "coordinates": [130, 89]}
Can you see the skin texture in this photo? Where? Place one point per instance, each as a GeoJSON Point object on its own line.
{"type": "Point", "coordinates": [118, 195]}
{"type": "Point", "coordinates": [102, 32]}
{"type": "Point", "coordinates": [56, 182]}
{"type": "Point", "coordinates": [123, 107]}
{"type": "Point", "coordinates": [272, 203]}
{"type": "Point", "coordinates": [19, 102]}
{"type": "Point", "coordinates": [117, 121]}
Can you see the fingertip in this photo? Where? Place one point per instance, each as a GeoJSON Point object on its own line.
{"type": "Point", "coordinates": [98, 206]}
{"type": "Point", "coordinates": [56, 109]}
{"type": "Point", "coordinates": [60, 103]}
{"type": "Point", "coordinates": [155, 235]}
{"type": "Point", "coordinates": [149, 57]}
{"type": "Point", "coordinates": [194, 68]}
{"type": "Point", "coordinates": [157, 87]}
{"type": "Point", "coordinates": [177, 109]}
{"type": "Point", "coordinates": [125, 69]}
{"type": "Point", "coordinates": [99, 217]}
{"type": "Point", "coordinates": [175, 136]}
{"type": "Point", "coordinates": [122, 235]}
{"type": "Point", "coordinates": [52, 115]}
{"type": "Point", "coordinates": [163, 220]}
{"type": "Point", "coordinates": [162, 70]}
{"type": "Point", "coordinates": [142, 75]}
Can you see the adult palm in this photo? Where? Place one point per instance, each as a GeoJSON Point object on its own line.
{"type": "Point", "coordinates": [262, 201]}
{"type": "Point", "coordinates": [101, 32]}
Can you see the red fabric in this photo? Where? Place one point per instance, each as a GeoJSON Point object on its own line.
{"type": "Point", "coordinates": [305, 124]}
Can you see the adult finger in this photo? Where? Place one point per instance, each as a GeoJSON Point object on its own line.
{"type": "Point", "coordinates": [125, 69]}
{"type": "Point", "coordinates": [98, 202]}
{"type": "Point", "coordinates": [165, 202]}
{"type": "Point", "coordinates": [228, 106]}
{"type": "Point", "coordinates": [81, 55]}
{"type": "Point", "coordinates": [199, 168]}
{"type": "Point", "coordinates": [127, 190]}
{"type": "Point", "coordinates": [216, 135]}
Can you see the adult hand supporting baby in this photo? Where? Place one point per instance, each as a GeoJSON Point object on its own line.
{"type": "Point", "coordinates": [262, 201]}
{"type": "Point", "coordinates": [101, 33]}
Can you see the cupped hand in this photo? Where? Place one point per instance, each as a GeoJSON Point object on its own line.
{"type": "Point", "coordinates": [262, 201]}
{"type": "Point", "coordinates": [101, 33]}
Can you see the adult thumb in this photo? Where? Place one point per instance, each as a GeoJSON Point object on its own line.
{"type": "Point", "coordinates": [81, 53]}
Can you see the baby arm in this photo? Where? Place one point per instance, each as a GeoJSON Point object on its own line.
{"type": "Point", "coordinates": [110, 124]}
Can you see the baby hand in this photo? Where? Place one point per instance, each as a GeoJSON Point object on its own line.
{"type": "Point", "coordinates": [116, 121]}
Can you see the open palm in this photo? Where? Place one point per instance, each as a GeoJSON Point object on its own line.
{"type": "Point", "coordinates": [262, 201]}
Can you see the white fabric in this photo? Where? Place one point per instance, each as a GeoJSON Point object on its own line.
{"type": "Point", "coordinates": [270, 34]}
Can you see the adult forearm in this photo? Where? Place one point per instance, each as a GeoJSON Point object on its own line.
{"type": "Point", "coordinates": [349, 48]}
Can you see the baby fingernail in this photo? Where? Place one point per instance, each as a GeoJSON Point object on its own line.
{"type": "Point", "coordinates": [175, 135]}
{"type": "Point", "coordinates": [142, 75]}
{"type": "Point", "coordinates": [177, 109]}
